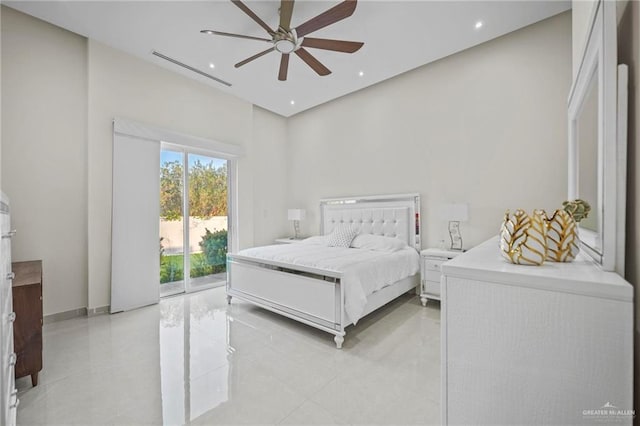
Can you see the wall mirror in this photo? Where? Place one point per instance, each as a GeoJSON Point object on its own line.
{"type": "Point", "coordinates": [597, 141]}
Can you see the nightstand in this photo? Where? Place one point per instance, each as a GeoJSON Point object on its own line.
{"type": "Point", "coordinates": [288, 240]}
{"type": "Point", "coordinates": [430, 261]}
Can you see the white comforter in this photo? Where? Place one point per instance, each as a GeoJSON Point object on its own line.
{"type": "Point", "coordinates": [363, 271]}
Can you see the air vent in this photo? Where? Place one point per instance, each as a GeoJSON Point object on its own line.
{"type": "Point", "coordinates": [190, 68]}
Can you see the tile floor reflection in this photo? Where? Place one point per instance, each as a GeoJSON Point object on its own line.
{"type": "Point", "coordinates": [195, 360]}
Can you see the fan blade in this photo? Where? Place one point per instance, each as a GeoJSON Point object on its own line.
{"type": "Point", "coordinates": [253, 16]}
{"type": "Point", "coordinates": [284, 67]}
{"type": "Point", "coordinates": [312, 62]}
{"type": "Point", "coordinates": [246, 61]}
{"type": "Point", "coordinates": [331, 16]}
{"type": "Point", "coordinates": [335, 45]}
{"type": "Point", "coordinates": [220, 33]}
{"type": "Point", "coordinates": [286, 10]}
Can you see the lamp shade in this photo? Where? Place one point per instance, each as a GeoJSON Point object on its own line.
{"type": "Point", "coordinates": [457, 212]}
{"type": "Point", "coordinates": [296, 214]}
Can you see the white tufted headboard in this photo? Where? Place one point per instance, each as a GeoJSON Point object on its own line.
{"type": "Point", "coordinates": [396, 216]}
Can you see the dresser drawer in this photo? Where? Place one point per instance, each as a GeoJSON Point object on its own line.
{"type": "Point", "coordinates": [11, 402]}
{"type": "Point", "coordinates": [7, 297]}
{"type": "Point", "coordinates": [433, 264]}
{"type": "Point", "coordinates": [8, 350]}
{"type": "Point", "coordinates": [432, 276]}
{"type": "Point", "coordinates": [7, 327]}
{"type": "Point", "coordinates": [432, 288]}
{"type": "Point", "coordinates": [9, 370]}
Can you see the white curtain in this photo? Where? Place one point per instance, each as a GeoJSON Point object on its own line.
{"type": "Point", "coordinates": [135, 262]}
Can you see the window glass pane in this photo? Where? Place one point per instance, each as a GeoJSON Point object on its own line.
{"type": "Point", "coordinates": [207, 220]}
{"type": "Point", "coordinates": [171, 222]}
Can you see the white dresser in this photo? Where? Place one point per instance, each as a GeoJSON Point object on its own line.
{"type": "Point", "coordinates": [534, 345]}
{"type": "Point", "coordinates": [8, 394]}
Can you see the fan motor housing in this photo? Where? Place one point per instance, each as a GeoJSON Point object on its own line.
{"type": "Point", "coordinates": [285, 46]}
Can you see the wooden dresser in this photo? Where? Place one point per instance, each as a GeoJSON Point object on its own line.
{"type": "Point", "coordinates": [27, 329]}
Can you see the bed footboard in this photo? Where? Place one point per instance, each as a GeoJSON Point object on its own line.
{"type": "Point", "coordinates": [312, 300]}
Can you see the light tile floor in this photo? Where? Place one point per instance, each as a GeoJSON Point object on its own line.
{"type": "Point", "coordinates": [195, 360]}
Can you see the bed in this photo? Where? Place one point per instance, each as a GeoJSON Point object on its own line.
{"type": "Point", "coordinates": [330, 288]}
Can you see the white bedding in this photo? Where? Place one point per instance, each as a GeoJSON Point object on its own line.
{"type": "Point", "coordinates": [363, 271]}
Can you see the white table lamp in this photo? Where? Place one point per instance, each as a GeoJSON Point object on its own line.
{"type": "Point", "coordinates": [296, 215]}
{"type": "Point", "coordinates": [455, 213]}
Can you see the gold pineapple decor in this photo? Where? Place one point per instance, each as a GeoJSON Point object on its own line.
{"type": "Point", "coordinates": [532, 239]}
{"type": "Point", "coordinates": [563, 241]}
{"type": "Point", "coordinates": [523, 237]}
{"type": "Point", "coordinates": [562, 237]}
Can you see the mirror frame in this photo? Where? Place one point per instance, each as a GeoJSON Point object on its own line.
{"type": "Point", "coordinates": [606, 246]}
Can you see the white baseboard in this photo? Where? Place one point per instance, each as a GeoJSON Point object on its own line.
{"type": "Point", "coordinates": [61, 316]}
{"type": "Point", "coordinates": [75, 313]}
{"type": "Point", "coordinates": [100, 310]}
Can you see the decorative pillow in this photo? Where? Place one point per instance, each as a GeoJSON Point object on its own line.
{"type": "Point", "coordinates": [378, 243]}
{"type": "Point", "coordinates": [342, 235]}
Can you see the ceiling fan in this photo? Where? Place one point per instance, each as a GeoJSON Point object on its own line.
{"type": "Point", "coordinates": [287, 40]}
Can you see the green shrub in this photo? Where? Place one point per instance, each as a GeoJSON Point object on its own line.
{"type": "Point", "coordinates": [212, 260]}
{"type": "Point", "coordinates": [214, 247]}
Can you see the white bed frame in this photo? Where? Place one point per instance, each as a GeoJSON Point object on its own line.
{"type": "Point", "coordinates": [315, 296]}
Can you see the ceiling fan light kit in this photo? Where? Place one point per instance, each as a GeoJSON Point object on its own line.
{"type": "Point", "coordinates": [287, 40]}
{"type": "Point", "coordinates": [285, 46]}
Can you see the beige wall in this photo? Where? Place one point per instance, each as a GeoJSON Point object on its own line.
{"type": "Point", "coordinates": [485, 126]}
{"type": "Point", "coordinates": [270, 192]}
{"type": "Point", "coordinates": [629, 53]}
{"type": "Point", "coordinates": [44, 114]}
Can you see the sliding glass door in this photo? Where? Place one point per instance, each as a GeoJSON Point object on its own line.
{"type": "Point", "coordinates": [207, 182]}
{"type": "Point", "coordinates": [193, 223]}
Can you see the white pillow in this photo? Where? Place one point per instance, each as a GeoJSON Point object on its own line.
{"type": "Point", "coordinates": [378, 243]}
{"type": "Point", "coordinates": [342, 235]}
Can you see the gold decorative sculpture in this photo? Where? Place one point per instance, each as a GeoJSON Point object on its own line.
{"type": "Point", "coordinates": [523, 238]}
{"type": "Point", "coordinates": [563, 241]}
{"type": "Point", "coordinates": [563, 244]}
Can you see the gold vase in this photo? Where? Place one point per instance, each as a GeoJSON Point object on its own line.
{"type": "Point", "coordinates": [562, 237]}
{"type": "Point", "coordinates": [523, 237]}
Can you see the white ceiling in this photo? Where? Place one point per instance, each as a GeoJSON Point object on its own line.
{"type": "Point", "coordinates": [398, 36]}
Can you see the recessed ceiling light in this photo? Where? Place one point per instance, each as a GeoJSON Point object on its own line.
{"type": "Point", "coordinates": [361, 73]}
{"type": "Point", "coordinates": [293, 102]}
{"type": "Point", "coordinates": [479, 25]}
{"type": "Point", "coordinates": [211, 65]}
